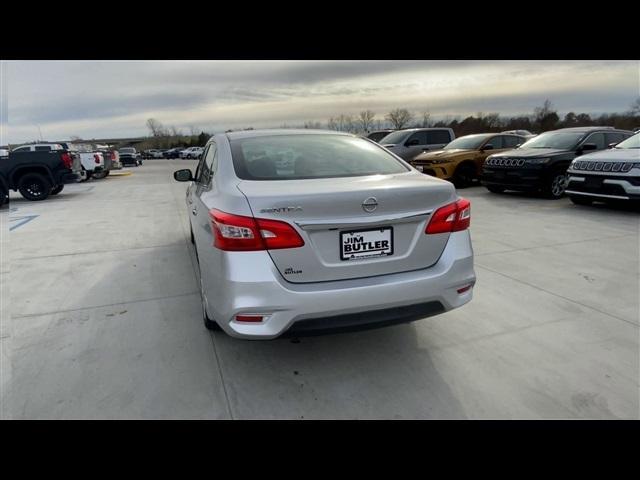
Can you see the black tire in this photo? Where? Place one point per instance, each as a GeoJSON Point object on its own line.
{"type": "Point", "coordinates": [99, 175]}
{"type": "Point", "coordinates": [34, 187]}
{"type": "Point", "coordinates": [495, 188]}
{"type": "Point", "coordinates": [555, 185]}
{"type": "Point", "coordinates": [57, 189]}
{"type": "Point", "coordinates": [465, 175]}
{"type": "Point", "coordinates": [4, 196]}
{"type": "Point", "coordinates": [580, 200]}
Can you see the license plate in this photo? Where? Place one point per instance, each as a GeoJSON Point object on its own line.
{"type": "Point", "coordinates": [593, 182]}
{"type": "Point", "coordinates": [372, 243]}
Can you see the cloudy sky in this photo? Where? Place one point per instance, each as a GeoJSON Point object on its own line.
{"type": "Point", "coordinates": [94, 99]}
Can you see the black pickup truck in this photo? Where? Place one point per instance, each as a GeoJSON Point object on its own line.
{"type": "Point", "coordinates": [36, 174]}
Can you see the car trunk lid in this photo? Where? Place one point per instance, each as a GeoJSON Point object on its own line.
{"type": "Point", "coordinates": [346, 221]}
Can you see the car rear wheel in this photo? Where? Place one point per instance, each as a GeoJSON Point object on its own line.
{"type": "Point", "coordinates": [100, 175]}
{"type": "Point", "coordinates": [57, 189]}
{"type": "Point", "coordinates": [580, 200]}
{"type": "Point", "coordinates": [495, 188]}
{"type": "Point", "coordinates": [464, 175]}
{"type": "Point", "coordinates": [4, 196]}
{"type": "Point", "coordinates": [34, 187]}
{"type": "Point", "coordinates": [208, 323]}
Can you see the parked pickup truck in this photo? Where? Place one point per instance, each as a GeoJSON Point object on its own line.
{"type": "Point", "coordinates": [129, 156]}
{"type": "Point", "coordinates": [36, 174]}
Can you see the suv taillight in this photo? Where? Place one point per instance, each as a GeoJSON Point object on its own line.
{"type": "Point", "coordinates": [67, 160]}
{"type": "Point", "coordinates": [113, 156]}
{"type": "Point", "coordinates": [240, 233]}
{"type": "Point", "coordinates": [96, 157]}
{"type": "Point", "coordinates": [451, 218]}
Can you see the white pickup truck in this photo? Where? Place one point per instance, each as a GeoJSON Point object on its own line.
{"type": "Point", "coordinates": [93, 163]}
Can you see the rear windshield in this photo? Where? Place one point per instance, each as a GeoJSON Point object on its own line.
{"type": "Point", "coordinates": [292, 157]}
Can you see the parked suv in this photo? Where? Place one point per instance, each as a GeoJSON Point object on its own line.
{"type": "Point", "coordinates": [410, 143]}
{"type": "Point", "coordinates": [343, 236]}
{"type": "Point", "coordinates": [609, 175]}
{"type": "Point", "coordinates": [541, 163]}
{"type": "Point", "coordinates": [379, 135]}
{"type": "Point", "coordinates": [461, 160]}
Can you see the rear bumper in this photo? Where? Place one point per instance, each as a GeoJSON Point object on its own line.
{"type": "Point", "coordinates": [68, 177]}
{"type": "Point", "coordinates": [248, 282]}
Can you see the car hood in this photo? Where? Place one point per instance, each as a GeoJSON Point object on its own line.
{"type": "Point", "coordinates": [531, 152]}
{"type": "Point", "coordinates": [453, 154]}
{"type": "Point", "coordinates": [620, 154]}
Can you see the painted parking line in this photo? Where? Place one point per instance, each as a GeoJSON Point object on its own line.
{"type": "Point", "coordinates": [19, 221]}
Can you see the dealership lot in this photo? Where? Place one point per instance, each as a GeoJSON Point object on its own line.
{"type": "Point", "coordinates": [101, 318]}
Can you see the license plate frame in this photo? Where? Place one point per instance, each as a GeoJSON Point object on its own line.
{"type": "Point", "coordinates": [384, 252]}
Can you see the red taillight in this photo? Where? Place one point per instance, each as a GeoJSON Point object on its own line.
{"type": "Point", "coordinates": [451, 218]}
{"type": "Point", "coordinates": [96, 157]}
{"type": "Point", "coordinates": [67, 160]}
{"type": "Point", "coordinates": [113, 157]}
{"type": "Point", "coordinates": [240, 233]}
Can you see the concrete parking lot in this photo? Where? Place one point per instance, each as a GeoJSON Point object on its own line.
{"type": "Point", "coordinates": [101, 318]}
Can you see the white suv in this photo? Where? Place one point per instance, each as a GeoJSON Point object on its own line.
{"type": "Point", "coordinates": [608, 175]}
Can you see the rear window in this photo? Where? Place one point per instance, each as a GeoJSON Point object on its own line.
{"type": "Point", "coordinates": [438, 136]}
{"type": "Point", "coordinates": [292, 157]}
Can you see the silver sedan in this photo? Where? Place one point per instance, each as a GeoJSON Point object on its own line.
{"type": "Point", "coordinates": [302, 231]}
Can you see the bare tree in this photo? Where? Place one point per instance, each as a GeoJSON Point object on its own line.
{"type": "Point", "coordinates": [635, 108]}
{"type": "Point", "coordinates": [366, 119]}
{"type": "Point", "coordinates": [175, 132]}
{"type": "Point", "coordinates": [426, 116]}
{"type": "Point", "coordinates": [332, 124]}
{"type": "Point", "coordinates": [75, 138]}
{"type": "Point", "coordinates": [399, 117]}
{"type": "Point", "coordinates": [155, 127]}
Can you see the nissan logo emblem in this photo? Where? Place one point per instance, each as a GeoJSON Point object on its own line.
{"type": "Point", "coordinates": [370, 204]}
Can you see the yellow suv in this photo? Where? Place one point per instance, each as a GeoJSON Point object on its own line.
{"type": "Point", "coordinates": [461, 160]}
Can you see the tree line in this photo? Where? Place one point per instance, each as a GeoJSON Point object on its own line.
{"type": "Point", "coordinates": [542, 119]}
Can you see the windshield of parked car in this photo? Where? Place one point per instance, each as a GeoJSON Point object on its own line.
{"type": "Point", "coordinates": [127, 150]}
{"type": "Point", "coordinates": [291, 157]}
{"type": "Point", "coordinates": [559, 140]}
{"type": "Point", "coordinates": [468, 142]}
{"type": "Point", "coordinates": [395, 137]}
{"type": "Point", "coordinates": [631, 142]}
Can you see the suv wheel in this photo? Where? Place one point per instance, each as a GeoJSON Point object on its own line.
{"type": "Point", "coordinates": [57, 189]}
{"type": "Point", "coordinates": [34, 187]}
{"type": "Point", "coordinates": [464, 175]}
{"type": "Point", "coordinates": [580, 200]}
{"type": "Point", "coordinates": [556, 185]}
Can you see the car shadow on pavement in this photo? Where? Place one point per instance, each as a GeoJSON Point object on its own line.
{"type": "Point", "coordinates": [375, 374]}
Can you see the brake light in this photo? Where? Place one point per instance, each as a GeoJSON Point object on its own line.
{"type": "Point", "coordinates": [67, 160]}
{"type": "Point", "coordinates": [240, 233]}
{"type": "Point", "coordinates": [113, 157]}
{"type": "Point", "coordinates": [96, 157]}
{"type": "Point", "coordinates": [451, 218]}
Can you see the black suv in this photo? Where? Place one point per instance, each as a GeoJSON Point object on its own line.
{"type": "Point", "coordinates": [541, 163]}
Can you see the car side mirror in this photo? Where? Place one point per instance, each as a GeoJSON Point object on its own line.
{"type": "Point", "coordinates": [611, 145]}
{"type": "Point", "coordinates": [589, 146]}
{"type": "Point", "coordinates": [487, 147]}
{"type": "Point", "coordinates": [518, 145]}
{"type": "Point", "coordinates": [183, 175]}
{"type": "Point", "coordinates": [412, 143]}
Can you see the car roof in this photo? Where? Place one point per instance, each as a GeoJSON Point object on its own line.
{"type": "Point", "coordinates": [281, 131]}
{"type": "Point", "coordinates": [588, 129]}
